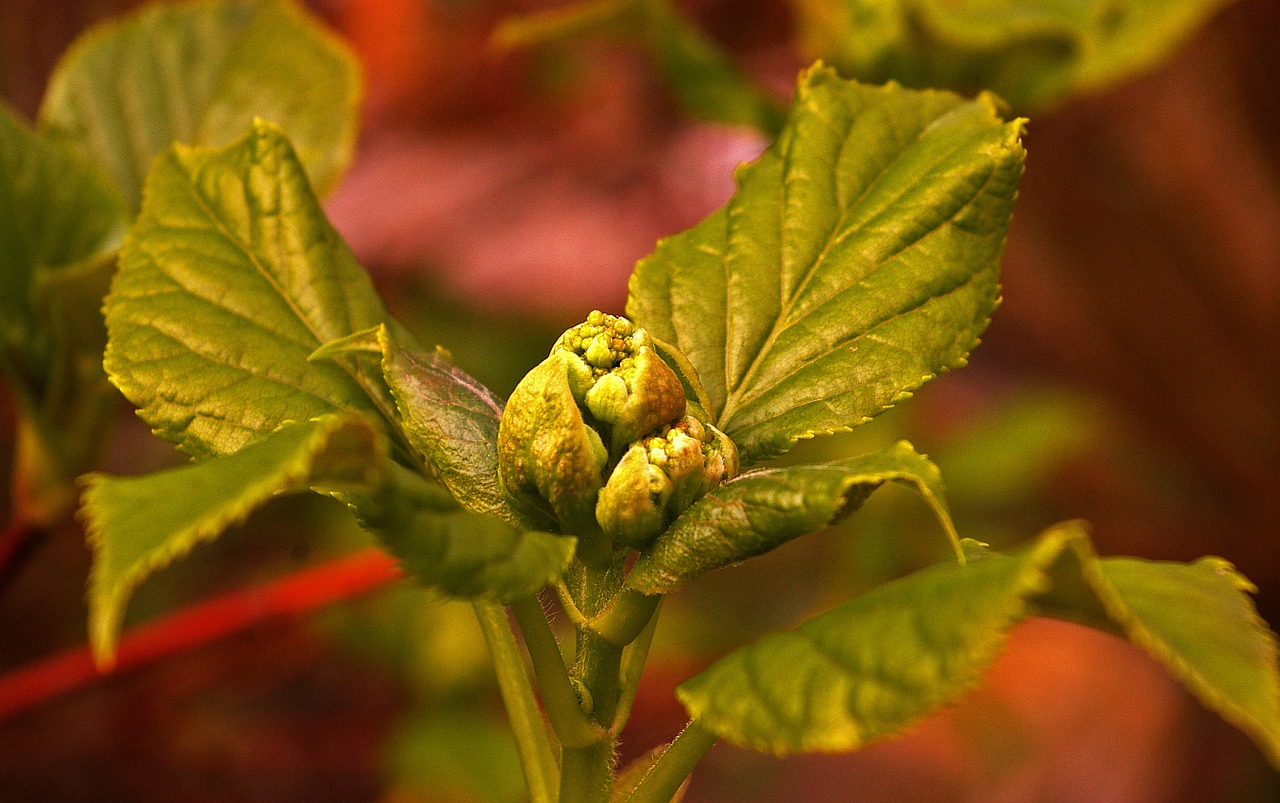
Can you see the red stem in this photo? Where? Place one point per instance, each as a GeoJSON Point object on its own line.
{"type": "Point", "coordinates": [292, 595]}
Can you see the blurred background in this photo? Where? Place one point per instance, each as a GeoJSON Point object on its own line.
{"type": "Point", "coordinates": [1130, 378]}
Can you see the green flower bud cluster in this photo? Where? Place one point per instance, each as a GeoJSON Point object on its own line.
{"type": "Point", "coordinates": [616, 375]}
{"type": "Point", "coordinates": [660, 476]}
{"type": "Point", "coordinates": [596, 438]}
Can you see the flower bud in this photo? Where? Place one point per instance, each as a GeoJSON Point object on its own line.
{"type": "Point", "coordinates": [660, 476]}
{"type": "Point", "coordinates": [550, 463]}
{"type": "Point", "coordinates": [616, 375]}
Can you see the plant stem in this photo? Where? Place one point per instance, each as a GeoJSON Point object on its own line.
{"type": "Point", "coordinates": [626, 618]}
{"type": "Point", "coordinates": [537, 758]}
{"type": "Point", "coordinates": [568, 720]}
{"type": "Point", "coordinates": [293, 595]}
{"type": "Point", "coordinates": [633, 659]}
{"type": "Point", "coordinates": [587, 771]}
{"type": "Point", "coordinates": [674, 766]}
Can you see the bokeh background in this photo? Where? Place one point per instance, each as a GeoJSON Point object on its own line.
{"type": "Point", "coordinates": [1130, 378]}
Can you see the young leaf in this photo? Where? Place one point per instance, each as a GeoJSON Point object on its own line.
{"type": "Point", "coordinates": [857, 260]}
{"type": "Point", "coordinates": [868, 669]}
{"type": "Point", "coordinates": [199, 73]}
{"type": "Point", "coordinates": [1032, 52]}
{"type": "Point", "coordinates": [461, 552]}
{"type": "Point", "coordinates": [764, 509]}
{"type": "Point", "coordinates": [230, 279]}
{"type": "Point", "coordinates": [55, 209]}
{"type": "Point", "coordinates": [450, 419]}
{"type": "Point", "coordinates": [138, 525]}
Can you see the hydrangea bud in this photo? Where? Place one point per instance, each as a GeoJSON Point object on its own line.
{"type": "Point", "coordinates": [550, 462]}
{"type": "Point", "coordinates": [660, 476]}
{"type": "Point", "coordinates": [618, 378]}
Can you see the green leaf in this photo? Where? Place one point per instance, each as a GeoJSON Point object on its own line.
{"type": "Point", "coordinates": [461, 552]}
{"type": "Point", "coordinates": [55, 209]}
{"type": "Point", "coordinates": [450, 419]}
{"type": "Point", "coordinates": [138, 525]}
{"type": "Point", "coordinates": [707, 84]}
{"type": "Point", "coordinates": [762, 510]}
{"type": "Point", "coordinates": [872, 667]}
{"type": "Point", "coordinates": [230, 279]}
{"type": "Point", "coordinates": [1196, 620]}
{"type": "Point", "coordinates": [1032, 52]}
{"type": "Point", "coordinates": [199, 73]}
{"type": "Point", "coordinates": [858, 259]}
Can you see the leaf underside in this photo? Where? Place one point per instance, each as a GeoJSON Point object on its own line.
{"type": "Point", "coordinates": [872, 667]}
{"type": "Point", "coordinates": [762, 510]}
{"type": "Point", "coordinates": [138, 525]}
{"type": "Point", "coordinates": [199, 73]}
{"type": "Point", "coordinates": [857, 260]}
{"type": "Point", "coordinates": [230, 279]}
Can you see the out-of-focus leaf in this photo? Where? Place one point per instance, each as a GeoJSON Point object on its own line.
{"type": "Point", "coordinates": [707, 84]}
{"type": "Point", "coordinates": [764, 509]}
{"type": "Point", "coordinates": [230, 279]}
{"type": "Point", "coordinates": [199, 73]}
{"type": "Point", "coordinates": [55, 210]}
{"type": "Point", "coordinates": [858, 259]}
{"type": "Point", "coordinates": [1031, 52]}
{"type": "Point", "coordinates": [139, 525]}
{"type": "Point", "coordinates": [870, 668]}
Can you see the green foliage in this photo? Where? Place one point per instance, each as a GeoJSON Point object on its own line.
{"type": "Point", "coordinates": [196, 72]}
{"type": "Point", "coordinates": [229, 280]}
{"type": "Point", "coordinates": [55, 210]}
{"type": "Point", "coordinates": [139, 525]}
{"type": "Point", "coordinates": [858, 259]}
{"type": "Point", "coordinates": [199, 73]}
{"type": "Point", "coordinates": [458, 551]}
{"type": "Point", "coordinates": [764, 509]}
{"type": "Point", "coordinates": [705, 82]}
{"type": "Point", "coordinates": [1033, 53]}
{"type": "Point", "coordinates": [870, 668]}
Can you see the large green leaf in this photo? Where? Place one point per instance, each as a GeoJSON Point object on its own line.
{"type": "Point", "coordinates": [759, 511]}
{"type": "Point", "coordinates": [138, 525]}
{"type": "Point", "coordinates": [1032, 52]}
{"type": "Point", "coordinates": [870, 668]}
{"type": "Point", "coordinates": [858, 259]}
{"type": "Point", "coordinates": [461, 552]}
{"type": "Point", "coordinates": [199, 73]}
{"type": "Point", "coordinates": [55, 209]}
{"type": "Point", "coordinates": [230, 279]}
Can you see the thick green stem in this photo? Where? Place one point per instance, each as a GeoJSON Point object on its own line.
{"type": "Point", "coordinates": [674, 766]}
{"type": "Point", "coordinates": [568, 720]}
{"type": "Point", "coordinates": [536, 755]}
{"type": "Point", "coordinates": [587, 771]}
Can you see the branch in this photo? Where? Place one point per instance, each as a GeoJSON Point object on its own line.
{"type": "Point", "coordinates": [290, 596]}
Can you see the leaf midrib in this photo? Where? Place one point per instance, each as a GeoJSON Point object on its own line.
{"type": "Point", "coordinates": [735, 399]}
{"type": "Point", "coordinates": [190, 186]}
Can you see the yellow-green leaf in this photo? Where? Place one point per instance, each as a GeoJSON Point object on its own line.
{"type": "Point", "coordinates": [858, 259]}
{"type": "Point", "coordinates": [199, 73]}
